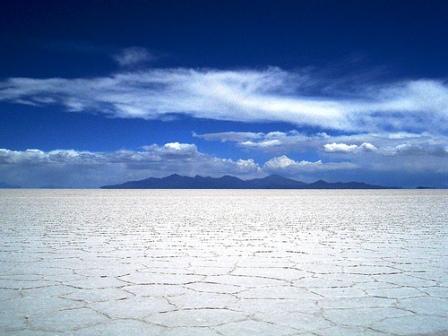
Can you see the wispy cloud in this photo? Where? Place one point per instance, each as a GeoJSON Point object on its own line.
{"type": "Point", "coordinates": [133, 56]}
{"type": "Point", "coordinates": [243, 95]}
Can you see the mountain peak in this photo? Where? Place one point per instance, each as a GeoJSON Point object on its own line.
{"type": "Point", "coordinates": [173, 175]}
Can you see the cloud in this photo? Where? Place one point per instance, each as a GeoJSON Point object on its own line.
{"type": "Point", "coordinates": [344, 148]}
{"type": "Point", "coordinates": [230, 136]}
{"type": "Point", "coordinates": [384, 144]}
{"type": "Point", "coordinates": [285, 164]}
{"type": "Point", "coordinates": [272, 94]}
{"type": "Point", "coordinates": [72, 168]}
{"type": "Point", "coordinates": [270, 141]}
{"type": "Point", "coordinates": [367, 147]}
{"type": "Point", "coordinates": [133, 56]}
{"type": "Point", "coordinates": [339, 148]}
{"type": "Point", "coordinates": [373, 154]}
{"type": "Point", "coordinates": [262, 144]}
{"type": "Point", "coordinates": [419, 150]}
{"type": "Point", "coordinates": [34, 167]}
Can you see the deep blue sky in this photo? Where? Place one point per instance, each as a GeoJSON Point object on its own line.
{"type": "Point", "coordinates": [73, 38]}
{"type": "Point", "coordinates": [348, 49]}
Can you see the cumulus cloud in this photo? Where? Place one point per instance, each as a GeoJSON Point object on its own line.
{"type": "Point", "coordinates": [373, 154]}
{"type": "Point", "coordinates": [34, 167]}
{"type": "Point", "coordinates": [275, 140]}
{"type": "Point", "coordinates": [383, 144]}
{"type": "Point", "coordinates": [133, 56]}
{"type": "Point", "coordinates": [72, 168]}
{"type": "Point", "coordinates": [339, 148]}
{"type": "Point", "coordinates": [282, 162]}
{"type": "Point", "coordinates": [344, 148]}
{"type": "Point", "coordinates": [242, 95]}
{"type": "Point", "coordinates": [285, 164]}
{"type": "Point", "coordinates": [367, 147]}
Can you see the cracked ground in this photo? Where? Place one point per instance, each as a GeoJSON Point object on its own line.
{"type": "Point", "coordinates": [223, 262]}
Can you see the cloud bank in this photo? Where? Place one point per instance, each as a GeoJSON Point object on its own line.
{"type": "Point", "coordinates": [272, 94]}
{"type": "Point", "coordinates": [408, 157]}
{"type": "Point", "coordinates": [385, 144]}
{"type": "Point", "coordinates": [71, 168]}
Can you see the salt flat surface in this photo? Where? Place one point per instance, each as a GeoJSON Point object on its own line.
{"type": "Point", "coordinates": [225, 262]}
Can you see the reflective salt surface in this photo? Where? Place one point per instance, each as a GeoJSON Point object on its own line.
{"type": "Point", "coordinates": [159, 262]}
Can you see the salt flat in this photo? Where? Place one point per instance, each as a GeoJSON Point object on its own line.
{"type": "Point", "coordinates": [224, 262]}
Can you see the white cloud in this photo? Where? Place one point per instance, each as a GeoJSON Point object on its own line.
{"type": "Point", "coordinates": [244, 95]}
{"type": "Point", "coordinates": [285, 164]}
{"type": "Point", "coordinates": [381, 144]}
{"type": "Point", "coordinates": [35, 167]}
{"type": "Point", "coordinates": [344, 148]}
{"type": "Point", "coordinates": [71, 168]}
{"type": "Point", "coordinates": [262, 144]}
{"type": "Point", "coordinates": [247, 165]}
{"type": "Point", "coordinates": [405, 155]}
{"type": "Point", "coordinates": [230, 136]}
{"type": "Point", "coordinates": [132, 56]}
{"type": "Point", "coordinates": [266, 141]}
{"type": "Point", "coordinates": [367, 147]}
{"type": "Point", "coordinates": [180, 148]}
{"type": "Point", "coordinates": [280, 162]}
{"type": "Point", "coordinates": [339, 148]}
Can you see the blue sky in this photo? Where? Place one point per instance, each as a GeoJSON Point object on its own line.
{"type": "Point", "coordinates": [99, 92]}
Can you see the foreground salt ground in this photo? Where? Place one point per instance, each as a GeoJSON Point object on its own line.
{"type": "Point", "coordinates": [159, 262]}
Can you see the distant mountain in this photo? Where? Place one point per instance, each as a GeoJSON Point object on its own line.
{"type": "Point", "coordinates": [321, 184]}
{"type": "Point", "coordinates": [231, 182]}
{"type": "Point", "coordinates": [274, 182]}
{"type": "Point", "coordinates": [8, 186]}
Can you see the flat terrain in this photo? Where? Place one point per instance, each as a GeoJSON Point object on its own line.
{"type": "Point", "coordinates": [226, 262]}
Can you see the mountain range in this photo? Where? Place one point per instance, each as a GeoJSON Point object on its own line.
{"type": "Point", "coordinates": [231, 182]}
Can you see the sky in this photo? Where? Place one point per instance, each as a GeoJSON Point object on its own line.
{"type": "Point", "coordinates": [101, 92]}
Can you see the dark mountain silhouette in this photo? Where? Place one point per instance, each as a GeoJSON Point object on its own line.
{"type": "Point", "coordinates": [274, 182]}
{"type": "Point", "coordinates": [231, 182]}
{"type": "Point", "coordinates": [321, 184]}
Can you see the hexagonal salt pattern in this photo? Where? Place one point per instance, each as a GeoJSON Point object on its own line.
{"type": "Point", "coordinates": [224, 262]}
